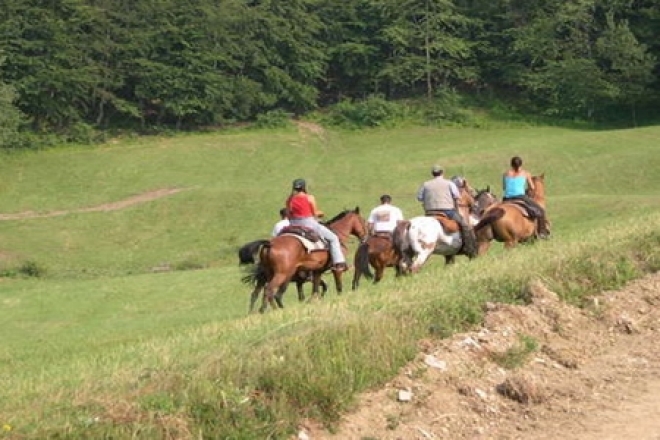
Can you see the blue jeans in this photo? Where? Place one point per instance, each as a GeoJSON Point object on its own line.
{"type": "Point", "coordinates": [335, 247]}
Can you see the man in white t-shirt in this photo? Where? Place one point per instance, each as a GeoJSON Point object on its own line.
{"type": "Point", "coordinates": [283, 223]}
{"type": "Point", "coordinates": [384, 217]}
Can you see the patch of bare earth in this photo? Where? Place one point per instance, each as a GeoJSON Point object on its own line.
{"type": "Point", "coordinates": [306, 128]}
{"type": "Point", "coordinates": [114, 206]}
{"type": "Point", "coordinates": [595, 375]}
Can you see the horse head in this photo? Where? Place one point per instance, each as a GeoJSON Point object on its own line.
{"type": "Point", "coordinates": [538, 195]}
{"type": "Point", "coordinates": [349, 222]}
{"type": "Point", "coordinates": [483, 199]}
{"type": "Point", "coordinates": [466, 200]}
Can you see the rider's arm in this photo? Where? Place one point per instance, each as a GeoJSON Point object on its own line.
{"type": "Point", "coordinates": [315, 210]}
{"type": "Point", "coordinates": [420, 194]}
{"type": "Point", "coordinates": [530, 182]}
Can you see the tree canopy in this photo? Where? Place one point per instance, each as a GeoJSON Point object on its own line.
{"type": "Point", "coordinates": [123, 63]}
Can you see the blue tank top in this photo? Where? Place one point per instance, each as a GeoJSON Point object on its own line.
{"type": "Point", "coordinates": [514, 186]}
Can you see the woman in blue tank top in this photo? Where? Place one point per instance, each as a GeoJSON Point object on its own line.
{"type": "Point", "coordinates": [516, 181]}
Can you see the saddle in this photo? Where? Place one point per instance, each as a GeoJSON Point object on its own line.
{"type": "Point", "coordinates": [309, 238]}
{"type": "Point", "coordinates": [525, 209]}
{"type": "Point", "coordinates": [450, 226]}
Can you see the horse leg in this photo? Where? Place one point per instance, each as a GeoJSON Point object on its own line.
{"type": "Point", "coordinates": [379, 268]}
{"type": "Point", "coordinates": [299, 287]}
{"type": "Point", "coordinates": [338, 282]}
{"type": "Point", "coordinates": [272, 289]}
{"type": "Point", "coordinates": [279, 295]}
{"type": "Point", "coordinates": [316, 283]}
{"type": "Point", "coordinates": [255, 294]}
{"type": "Point", "coordinates": [450, 259]}
{"type": "Point", "coordinates": [356, 278]}
{"type": "Point", "coordinates": [482, 247]}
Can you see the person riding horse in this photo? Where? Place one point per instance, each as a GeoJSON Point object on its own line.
{"type": "Point", "coordinates": [384, 217]}
{"type": "Point", "coordinates": [516, 182]}
{"type": "Point", "coordinates": [303, 212]}
{"type": "Point", "coordinates": [439, 196]}
{"type": "Point", "coordinates": [281, 224]}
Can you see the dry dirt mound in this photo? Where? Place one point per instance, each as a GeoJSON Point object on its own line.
{"type": "Point", "coordinates": [114, 206]}
{"type": "Point", "coordinates": [594, 375]}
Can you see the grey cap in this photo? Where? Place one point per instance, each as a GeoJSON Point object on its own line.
{"type": "Point", "coordinates": [437, 169]}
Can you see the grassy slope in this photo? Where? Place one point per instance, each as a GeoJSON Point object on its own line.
{"type": "Point", "coordinates": [63, 332]}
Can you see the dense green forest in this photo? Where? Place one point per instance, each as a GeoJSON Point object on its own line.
{"type": "Point", "coordinates": [75, 67]}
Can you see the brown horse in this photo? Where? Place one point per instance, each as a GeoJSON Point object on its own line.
{"type": "Point", "coordinates": [508, 222]}
{"type": "Point", "coordinates": [285, 256]}
{"type": "Point", "coordinates": [377, 251]}
{"type": "Point", "coordinates": [483, 199]}
{"type": "Point", "coordinates": [247, 255]}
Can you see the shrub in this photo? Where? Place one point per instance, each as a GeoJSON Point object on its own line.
{"type": "Point", "coordinates": [375, 111]}
{"type": "Point", "coordinates": [273, 119]}
{"type": "Point", "coordinates": [32, 269]}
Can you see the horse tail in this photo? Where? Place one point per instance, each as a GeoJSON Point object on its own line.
{"type": "Point", "coordinates": [400, 239]}
{"type": "Point", "coordinates": [401, 243]}
{"type": "Point", "coordinates": [247, 252]}
{"type": "Point", "coordinates": [362, 261]}
{"type": "Point", "coordinates": [256, 275]}
{"type": "Point", "coordinates": [490, 217]}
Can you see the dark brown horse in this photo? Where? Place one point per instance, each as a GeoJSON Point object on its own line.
{"type": "Point", "coordinates": [508, 222]}
{"type": "Point", "coordinates": [285, 256]}
{"type": "Point", "coordinates": [483, 199]}
{"type": "Point", "coordinates": [377, 251]}
{"type": "Point", "coordinates": [247, 254]}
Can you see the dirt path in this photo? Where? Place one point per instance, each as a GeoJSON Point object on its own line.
{"type": "Point", "coordinates": [134, 200]}
{"type": "Point", "coordinates": [594, 376]}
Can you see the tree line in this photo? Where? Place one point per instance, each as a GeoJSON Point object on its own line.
{"type": "Point", "coordinates": [70, 66]}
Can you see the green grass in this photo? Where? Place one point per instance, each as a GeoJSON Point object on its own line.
{"type": "Point", "coordinates": [101, 345]}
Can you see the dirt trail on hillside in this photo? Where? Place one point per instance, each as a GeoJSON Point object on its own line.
{"type": "Point", "coordinates": [114, 206]}
{"type": "Point", "coordinates": [594, 376]}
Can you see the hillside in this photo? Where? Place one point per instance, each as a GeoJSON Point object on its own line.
{"type": "Point", "coordinates": [124, 314]}
{"type": "Point", "coordinates": [594, 376]}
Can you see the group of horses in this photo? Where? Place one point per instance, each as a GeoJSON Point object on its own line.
{"type": "Point", "coordinates": [289, 257]}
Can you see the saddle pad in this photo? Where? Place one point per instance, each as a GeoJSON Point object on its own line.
{"type": "Point", "coordinates": [309, 245]}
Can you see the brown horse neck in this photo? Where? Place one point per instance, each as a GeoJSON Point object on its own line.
{"type": "Point", "coordinates": [345, 227]}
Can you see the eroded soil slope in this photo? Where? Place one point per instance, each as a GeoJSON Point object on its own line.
{"type": "Point", "coordinates": [594, 374]}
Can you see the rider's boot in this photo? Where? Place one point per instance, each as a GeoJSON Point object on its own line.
{"type": "Point", "coordinates": [469, 240]}
{"type": "Point", "coordinates": [542, 231]}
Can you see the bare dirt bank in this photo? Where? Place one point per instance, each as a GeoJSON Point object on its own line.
{"type": "Point", "coordinates": [594, 375]}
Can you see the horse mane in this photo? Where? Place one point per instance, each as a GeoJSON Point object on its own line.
{"type": "Point", "coordinates": [341, 215]}
{"type": "Point", "coordinates": [540, 179]}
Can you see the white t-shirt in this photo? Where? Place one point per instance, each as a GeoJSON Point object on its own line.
{"type": "Point", "coordinates": [384, 217]}
{"type": "Point", "coordinates": [279, 226]}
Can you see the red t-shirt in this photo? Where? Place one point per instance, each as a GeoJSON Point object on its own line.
{"type": "Point", "coordinates": [299, 206]}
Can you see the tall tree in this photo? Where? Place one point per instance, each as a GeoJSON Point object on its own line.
{"type": "Point", "coordinates": [428, 44]}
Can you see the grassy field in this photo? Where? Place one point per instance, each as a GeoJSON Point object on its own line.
{"type": "Point", "coordinates": [102, 344]}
